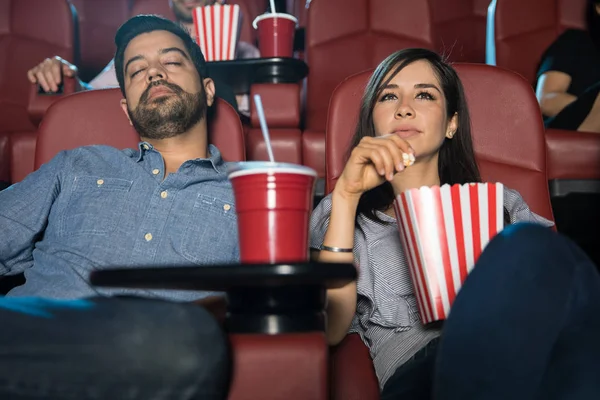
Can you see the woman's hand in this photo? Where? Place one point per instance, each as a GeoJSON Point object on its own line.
{"type": "Point", "coordinates": [372, 162]}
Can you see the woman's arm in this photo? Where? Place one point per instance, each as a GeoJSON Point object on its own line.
{"type": "Point", "coordinates": [371, 163]}
{"type": "Point", "coordinates": [341, 303]}
{"type": "Point", "coordinates": [552, 93]}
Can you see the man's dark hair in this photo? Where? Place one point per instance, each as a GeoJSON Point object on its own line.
{"type": "Point", "coordinates": [150, 23]}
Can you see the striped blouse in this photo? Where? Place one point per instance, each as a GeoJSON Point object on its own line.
{"type": "Point", "coordinates": [387, 318]}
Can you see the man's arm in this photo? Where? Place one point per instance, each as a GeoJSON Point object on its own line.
{"type": "Point", "coordinates": [50, 72]}
{"type": "Point", "coordinates": [24, 210]}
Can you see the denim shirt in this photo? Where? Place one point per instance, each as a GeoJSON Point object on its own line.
{"type": "Point", "coordinates": [99, 207]}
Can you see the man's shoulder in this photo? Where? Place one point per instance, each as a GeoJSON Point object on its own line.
{"type": "Point", "coordinates": [95, 156]}
{"type": "Point", "coordinates": [99, 151]}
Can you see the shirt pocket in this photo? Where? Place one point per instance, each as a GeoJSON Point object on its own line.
{"type": "Point", "coordinates": [95, 205]}
{"type": "Point", "coordinates": [211, 235]}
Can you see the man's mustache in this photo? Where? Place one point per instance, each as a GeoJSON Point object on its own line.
{"type": "Point", "coordinates": [173, 87]}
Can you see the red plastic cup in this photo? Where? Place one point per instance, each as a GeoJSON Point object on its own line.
{"type": "Point", "coordinates": [273, 203]}
{"type": "Point", "coordinates": [275, 34]}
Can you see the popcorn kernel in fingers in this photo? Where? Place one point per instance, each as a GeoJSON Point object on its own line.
{"type": "Point", "coordinates": [408, 159]}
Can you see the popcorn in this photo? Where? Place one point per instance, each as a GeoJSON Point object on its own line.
{"type": "Point", "coordinates": [408, 159]}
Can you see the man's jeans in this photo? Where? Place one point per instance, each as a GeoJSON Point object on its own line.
{"type": "Point", "coordinates": [103, 348]}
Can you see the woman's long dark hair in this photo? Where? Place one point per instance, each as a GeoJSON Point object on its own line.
{"type": "Point", "coordinates": [456, 161]}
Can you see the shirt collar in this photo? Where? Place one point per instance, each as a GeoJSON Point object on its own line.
{"type": "Point", "coordinates": [214, 158]}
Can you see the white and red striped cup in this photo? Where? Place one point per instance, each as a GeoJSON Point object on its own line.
{"type": "Point", "coordinates": [217, 30]}
{"type": "Point", "coordinates": [443, 231]}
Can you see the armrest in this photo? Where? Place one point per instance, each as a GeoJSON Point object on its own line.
{"type": "Point", "coordinates": [274, 367]}
{"type": "Point", "coordinates": [281, 102]}
{"type": "Point", "coordinates": [39, 102]}
{"type": "Point", "coordinates": [572, 154]}
{"type": "Point", "coordinates": [352, 372]}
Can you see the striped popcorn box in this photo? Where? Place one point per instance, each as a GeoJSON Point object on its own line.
{"type": "Point", "coordinates": [443, 231]}
{"type": "Point", "coordinates": [217, 30]}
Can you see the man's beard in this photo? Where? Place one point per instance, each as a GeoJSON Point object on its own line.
{"type": "Point", "coordinates": [167, 116]}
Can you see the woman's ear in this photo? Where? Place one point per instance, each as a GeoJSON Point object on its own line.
{"type": "Point", "coordinates": [452, 126]}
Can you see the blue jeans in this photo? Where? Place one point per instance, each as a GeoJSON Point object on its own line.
{"type": "Point", "coordinates": [526, 325]}
{"type": "Point", "coordinates": [110, 348]}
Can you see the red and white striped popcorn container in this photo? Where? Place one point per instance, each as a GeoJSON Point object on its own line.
{"type": "Point", "coordinates": [217, 30]}
{"type": "Point", "coordinates": [443, 230]}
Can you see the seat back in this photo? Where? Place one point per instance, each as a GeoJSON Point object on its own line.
{"type": "Point", "coordinates": [158, 7]}
{"type": "Point", "coordinates": [96, 117]}
{"type": "Point", "coordinates": [98, 23]}
{"type": "Point", "coordinates": [508, 133]}
{"type": "Point", "coordinates": [344, 37]}
{"type": "Point", "coordinates": [459, 27]}
{"type": "Point", "coordinates": [30, 31]}
{"type": "Point", "coordinates": [518, 32]}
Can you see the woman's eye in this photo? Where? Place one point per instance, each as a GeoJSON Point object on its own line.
{"type": "Point", "coordinates": [387, 96]}
{"type": "Point", "coordinates": [425, 96]}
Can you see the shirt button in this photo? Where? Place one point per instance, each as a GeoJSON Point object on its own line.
{"type": "Point", "coordinates": [146, 147]}
{"type": "Point", "coordinates": [164, 194]}
{"type": "Point", "coordinates": [155, 171]}
{"type": "Point", "coordinates": [100, 181]}
{"type": "Point", "coordinates": [226, 207]}
{"type": "Point", "coordinates": [148, 237]}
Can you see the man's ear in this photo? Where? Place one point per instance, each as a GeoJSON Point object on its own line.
{"type": "Point", "coordinates": [209, 88]}
{"type": "Point", "coordinates": [124, 108]}
{"type": "Point", "coordinates": [452, 126]}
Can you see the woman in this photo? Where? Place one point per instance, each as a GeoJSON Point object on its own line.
{"type": "Point", "coordinates": [414, 108]}
{"type": "Point", "coordinates": [568, 80]}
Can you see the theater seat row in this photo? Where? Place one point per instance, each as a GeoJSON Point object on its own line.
{"type": "Point", "coordinates": [81, 31]}
{"type": "Point", "coordinates": [340, 41]}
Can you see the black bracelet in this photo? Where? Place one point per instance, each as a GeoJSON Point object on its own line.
{"type": "Point", "coordinates": [336, 249]}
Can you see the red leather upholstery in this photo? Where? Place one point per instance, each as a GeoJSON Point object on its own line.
{"type": "Point", "coordinates": [508, 136]}
{"type": "Point", "coordinates": [571, 14]}
{"type": "Point", "coordinates": [95, 117]}
{"type": "Point", "coordinates": [276, 367]}
{"type": "Point", "coordinates": [282, 111]}
{"type": "Point", "coordinates": [98, 23]}
{"type": "Point", "coordinates": [5, 157]}
{"type": "Point", "coordinates": [22, 154]}
{"type": "Point", "coordinates": [39, 103]}
{"type": "Point", "coordinates": [352, 372]}
{"type": "Point", "coordinates": [158, 7]}
{"type": "Point", "coordinates": [460, 28]}
{"type": "Point", "coordinates": [573, 155]}
{"type": "Point", "coordinates": [344, 37]}
{"type": "Point", "coordinates": [520, 31]}
{"type": "Point", "coordinates": [30, 31]}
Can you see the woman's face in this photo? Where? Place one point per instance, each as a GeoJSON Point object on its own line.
{"type": "Point", "coordinates": [413, 106]}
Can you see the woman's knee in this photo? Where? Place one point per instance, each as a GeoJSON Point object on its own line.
{"type": "Point", "coordinates": [531, 243]}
